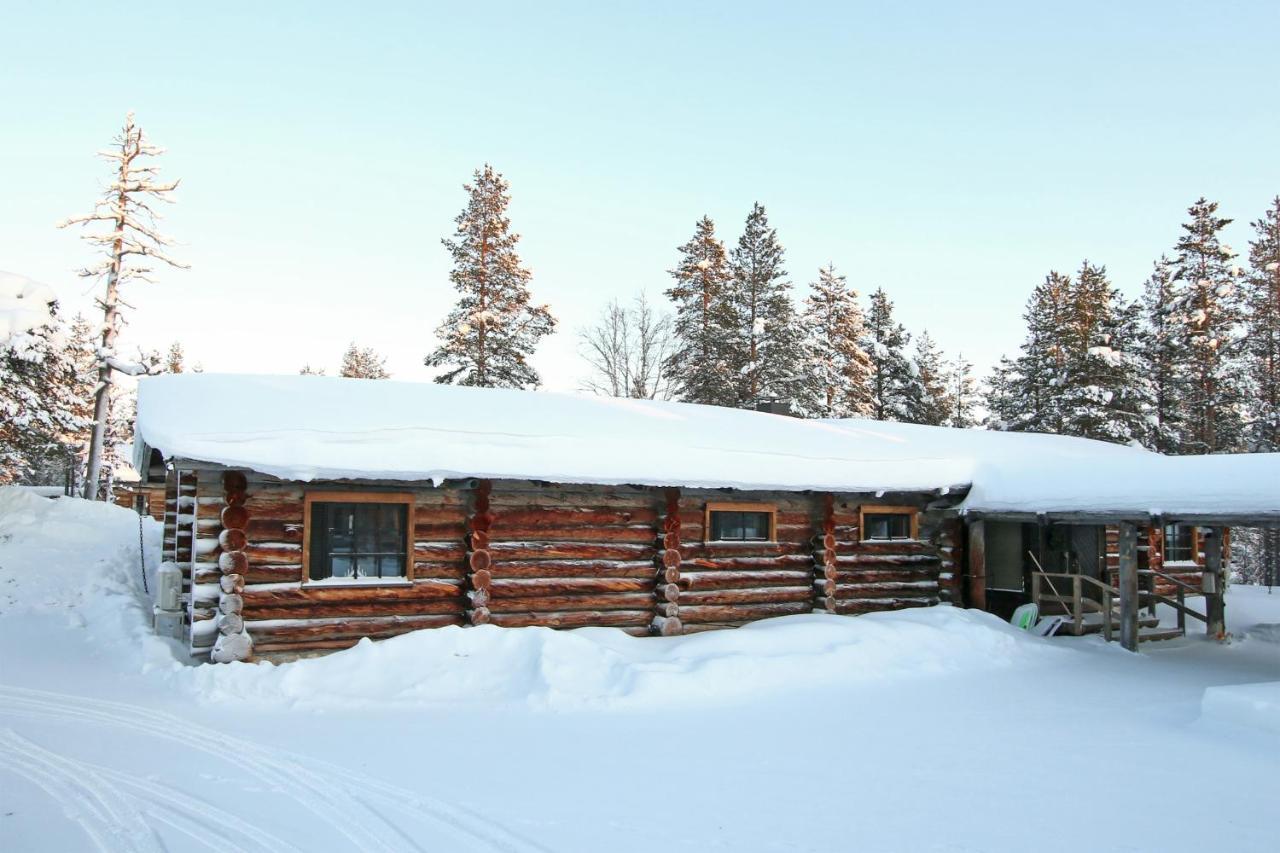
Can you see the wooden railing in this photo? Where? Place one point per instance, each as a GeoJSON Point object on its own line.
{"type": "Point", "coordinates": [1181, 590]}
{"type": "Point", "coordinates": [1077, 598]}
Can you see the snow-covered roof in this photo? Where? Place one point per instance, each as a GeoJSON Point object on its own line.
{"type": "Point", "coordinates": [327, 428]}
{"type": "Point", "coordinates": [24, 305]}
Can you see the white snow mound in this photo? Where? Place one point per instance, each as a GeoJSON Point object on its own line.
{"type": "Point", "coordinates": [605, 667]}
{"type": "Point", "coordinates": [1250, 705]}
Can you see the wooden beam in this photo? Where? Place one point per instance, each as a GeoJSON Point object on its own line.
{"type": "Point", "coordinates": [977, 553]}
{"type": "Point", "coordinates": [1215, 605]}
{"type": "Point", "coordinates": [1129, 586]}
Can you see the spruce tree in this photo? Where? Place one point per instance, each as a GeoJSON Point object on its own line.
{"type": "Point", "coordinates": [1209, 307]}
{"type": "Point", "coordinates": [931, 398]}
{"type": "Point", "coordinates": [699, 369]}
{"type": "Point", "coordinates": [768, 347]}
{"type": "Point", "coordinates": [362, 363]}
{"type": "Point", "coordinates": [1024, 392]}
{"type": "Point", "coordinates": [1099, 389]}
{"type": "Point", "coordinates": [493, 330]}
{"type": "Point", "coordinates": [1162, 363]}
{"type": "Point", "coordinates": [1262, 343]}
{"type": "Point", "coordinates": [894, 391]}
{"type": "Point", "coordinates": [962, 394]}
{"type": "Point", "coordinates": [838, 369]}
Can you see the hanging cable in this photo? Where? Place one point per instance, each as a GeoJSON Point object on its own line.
{"type": "Point", "coordinates": [142, 557]}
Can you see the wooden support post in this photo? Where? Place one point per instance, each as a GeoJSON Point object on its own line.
{"type": "Point", "coordinates": [1129, 604]}
{"type": "Point", "coordinates": [1215, 605]}
{"type": "Point", "coordinates": [1077, 604]}
{"type": "Point", "coordinates": [977, 565]}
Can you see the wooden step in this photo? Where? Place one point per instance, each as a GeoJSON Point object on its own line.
{"type": "Point", "coordinates": [1152, 635]}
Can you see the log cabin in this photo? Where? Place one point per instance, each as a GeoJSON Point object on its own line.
{"type": "Point", "coordinates": [307, 513]}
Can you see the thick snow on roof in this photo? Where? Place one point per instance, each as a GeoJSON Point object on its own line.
{"type": "Point", "coordinates": [24, 305]}
{"type": "Point", "coordinates": [324, 428]}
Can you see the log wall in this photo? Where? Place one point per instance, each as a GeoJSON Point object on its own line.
{"type": "Point", "coordinates": [516, 553]}
{"type": "Point", "coordinates": [867, 576]}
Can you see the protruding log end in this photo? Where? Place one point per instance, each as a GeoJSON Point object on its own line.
{"type": "Point", "coordinates": [480, 616]}
{"type": "Point", "coordinates": [235, 517]}
{"type": "Point", "coordinates": [479, 597]}
{"type": "Point", "coordinates": [233, 539]}
{"type": "Point", "coordinates": [232, 647]}
{"type": "Point", "coordinates": [235, 498]}
{"type": "Point", "coordinates": [230, 623]}
{"type": "Point", "coordinates": [828, 603]}
{"type": "Point", "coordinates": [668, 592]}
{"type": "Point", "coordinates": [232, 583]}
{"type": "Point", "coordinates": [482, 579]}
{"type": "Point", "coordinates": [234, 481]}
{"type": "Point", "coordinates": [671, 575]}
{"type": "Point", "coordinates": [668, 609]}
{"type": "Point", "coordinates": [671, 558]}
{"type": "Point", "coordinates": [480, 522]}
{"type": "Point", "coordinates": [670, 541]}
{"type": "Point", "coordinates": [233, 562]}
{"type": "Point", "coordinates": [479, 560]}
{"type": "Point", "coordinates": [667, 626]}
{"type": "Point", "coordinates": [478, 540]}
{"type": "Point", "coordinates": [230, 603]}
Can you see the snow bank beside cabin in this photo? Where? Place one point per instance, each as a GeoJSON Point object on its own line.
{"type": "Point", "coordinates": [604, 667]}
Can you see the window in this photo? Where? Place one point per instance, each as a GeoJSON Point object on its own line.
{"type": "Point", "coordinates": [357, 536]}
{"type": "Point", "coordinates": [888, 523]}
{"type": "Point", "coordinates": [1179, 543]}
{"type": "Point", "coordinates": [741, 522]}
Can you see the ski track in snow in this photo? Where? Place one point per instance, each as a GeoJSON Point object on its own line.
{"type": "Point", "coordinates": [92, 795]}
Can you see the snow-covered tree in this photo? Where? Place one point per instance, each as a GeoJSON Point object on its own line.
{"type": "Point", "coordinates": [931, 399]}
{"type": "Point", "coordinates": [894, 390]}
{"type": "Point", "coordinates": [962, 394]}
{"type": "Point", "coordinates": [174, 358]}
{"type": "Point", "coordinates": [838, 370]}
{"type": "Point", "coordinates": [1262, 342]}
{"type": "Point", "coordinates": [493, 330]}
{"type": "Point", "coordinates": [700, 368]}
{"type": "Point", "coordinates": [1209, 306]}
{"type": "Point", "coordinates": [362, 363]}
{"type": "Point", "coordinates": [1024, 392]}
{"type": "Point", "coordinates": [42, 404]}
{"type": "Point", "coordinates": [129, 244]}
{"type": "Point", "coordinates": [1099, 389]}
{"type": "Point", "coordinates": [626, 348]}
{"type": "Point", "coordinates": [308, 370]}
{"type": "Point", "coordinates": [768, 344]}
{"type": "Point", "coordinates": [1162, 363]}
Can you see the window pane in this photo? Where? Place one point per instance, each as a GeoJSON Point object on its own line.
{"type": "Point", "coordinates": [340, 567]}
{"type": "Point", "coordinates": [726, 525]}
{"type": "Point", "coordinates": [319, 568]}
{"type": "Point", "coordinates": [900, 526]}
{"type": "Point", "coordinates": [877, 527]}
{"type": "Point", "coordinates": [350, 540]}
{"type": "Point", "coordinates": [391, 528]}
{"type": "Point", "coordinates": [886, 525]}
{"type": "Point", "coordinates": [366, 516]}
{"type": "Point", "coordinates": [755, 525]}
{"type": "Point", "coordinates": [391, 567]}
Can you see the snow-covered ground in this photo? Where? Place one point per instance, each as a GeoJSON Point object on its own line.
{"type": "Point", "coordinates": [930, 730]}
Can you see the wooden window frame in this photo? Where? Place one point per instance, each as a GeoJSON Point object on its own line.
{"type": "Point", "coordinates": [1196, 545]}
{"type": "Point", "coordinates": [310, 497]}
{"type": "Point", "coordinates": [880, 509]}
{"type": "Point", "coordinates": [731, 506]}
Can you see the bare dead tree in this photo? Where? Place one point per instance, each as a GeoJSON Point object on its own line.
{"type": "Point", "coordinates": [626, 348]}
{"type": "Point", "coordinates": [128, 243]}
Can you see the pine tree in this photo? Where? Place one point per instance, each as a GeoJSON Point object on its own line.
{"type": "Point", "coordinates": [42, 407]}
{"type": "Point", "coordinates": [893, 385]}
{"type": "Point", "coordinates": [1024, 392]}
{"type": "Point", "coordinates": [1160, 348]}
{"type": "Point", "coordinates": [700, 368]}
{"type": "Point", "coordinates": [362, 363]}
{"type": "Point", "coordinates": [308, 370]}
{"type": "Point", "coordinates": [1262, 343]}
{"type": "Point", "coordinates": [768, 346]}
{"type": "Point", "coordinates": [1099, 392]}
{"type": "Point", "coordinates": [838, 369]}
{"type": "Point", "coordinates": [173, 361]}
{"type": "Point", "coordinates": [1209, 307]}
{"type": "Point", "coordinates": [128, 244]}
{"type": "Point", "coordinates": [493, 330]}
{"type": "Point", "coordinates": [962, 394]}
{"type": "Point", "coordinates": [931, 402]}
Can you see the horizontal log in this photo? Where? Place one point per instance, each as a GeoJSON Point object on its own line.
{"type": "Point", "coordinates": [897, 547]}
{"type": "Point", "coordinates": [744, 550]}
{"type": "Point", "coordinates": [427, 569]}
{"type": "Point", "coordinates": [886, 590]}
{"type": "Point", "coordinates": [884, 576]}
{"type": "Point", "coordinates": [538, 517]}
{"type": "Point", "coordinates": [605, 535]}
{"type": "Point", "coordinates": [304, 596]}
{"type": "Point", "coordinates": [743, 580]}
{"type": "Point", "coordinates": [344, 609]}
{"type": "Point", "coordinates": [573, 568]}
{"type": "Point", "coordinates": [573, 619]}
{"type": "Point", "coordinates": [732, 563]}
{"type": "Point", "coordinates": [439, 551]}
{"type": "Point", "coordinates": [273, 574]}
{"type": "Point", "coordinates": [877, 605]}
{"type": "Point", "coordinates": [884, 559]}
{"type": "Point", "coordinates": [273, 553]}
{"type": "Point", "coordinates": [568, 550]}
{"type": "Point", "coordinates": [667, 626]}
{"type": "Point", "coordinates": [299, 630]}
{"type": "Point", "coordinates": [275, 530]}
{"type": "Point", "coordinates": [741, 612]}
{"type": "Point", "coordinates": [536, 587]}
{"type": "Point", "coordinates": [775, 594]}
{"type": "Point", "coordinates": [554, 603]}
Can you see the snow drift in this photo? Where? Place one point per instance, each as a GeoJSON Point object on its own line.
{"type": "Point", "coordinates": [604, 667]}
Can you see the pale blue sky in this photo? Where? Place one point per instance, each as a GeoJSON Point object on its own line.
{"type": "Point", "coordinates": [950, 153]}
